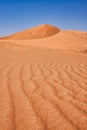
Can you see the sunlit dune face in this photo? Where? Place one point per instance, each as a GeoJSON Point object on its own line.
{"type": "Point", "coordinates": [42, 31]}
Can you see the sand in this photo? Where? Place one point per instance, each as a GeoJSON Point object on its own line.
{"type": "Point", "coordinates": [43, 88]}
{"type": "Point", "coordinates": [37, 32]}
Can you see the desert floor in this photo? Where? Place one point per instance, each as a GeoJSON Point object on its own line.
{"type": "Point", "coordinates": [42, 89]}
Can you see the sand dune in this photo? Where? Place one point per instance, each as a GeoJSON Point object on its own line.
{"type": "Point", "coordinates": [43, 84]}
{"type": "Point", "coordinates": [50, 37]}
{"type": "Point", "coordinates": [42, 31]}
{"type": "Point", "coordinates": [69, 40]}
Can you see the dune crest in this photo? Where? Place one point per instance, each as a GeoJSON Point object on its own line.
{"type": "Point", "coordinates": [50, 37]}
{"type": "Point", "coordinates": [37, 32]}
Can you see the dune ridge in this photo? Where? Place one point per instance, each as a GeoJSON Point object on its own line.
{"type": "Point", "coordinates": [50, 37]}
{"type": "Point", "coordinates": [37, 32]}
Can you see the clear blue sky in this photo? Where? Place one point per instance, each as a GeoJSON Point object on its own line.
{"type": "Point", "coordinates": [17, 15]}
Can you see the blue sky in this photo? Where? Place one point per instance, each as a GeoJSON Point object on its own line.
{"type": "Point", "coordinates": [17, 15]}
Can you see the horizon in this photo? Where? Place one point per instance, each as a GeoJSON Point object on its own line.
{"type": "Point", "coordinates": [21, 15]}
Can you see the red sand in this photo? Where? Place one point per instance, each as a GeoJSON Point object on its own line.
{"type": "Point", "coordinates": [43, 83]}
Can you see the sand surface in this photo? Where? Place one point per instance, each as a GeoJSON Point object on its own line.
{"type": "Point", "coordinates": [43, 82]}
{"type": "Point", "coordinates": [42, 89]}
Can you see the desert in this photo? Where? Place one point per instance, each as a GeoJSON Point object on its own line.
{"type": "Point", "coordinates": [43, 79]}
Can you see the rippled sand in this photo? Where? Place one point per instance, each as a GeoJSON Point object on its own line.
{"type": "Point", "coordinates": [42, 89]}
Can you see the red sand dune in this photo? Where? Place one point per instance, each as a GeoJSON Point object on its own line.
{"type": "Point", "coordinates": [50, 37]}
{"type": "Point", "coordinates": [69, 40]}
{"type": "Point", "coordinates": [43, 84]}
{"type": "Point", "coordinates": [42, 31]}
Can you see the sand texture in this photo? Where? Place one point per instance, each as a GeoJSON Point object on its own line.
{"type": "Point", "coordinates": [43, 88]}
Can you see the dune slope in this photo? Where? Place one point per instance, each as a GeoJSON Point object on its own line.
{"type": "Point", "coordinates": [65, 40]}
{"type": "Point", "coordinates": [42, 31]}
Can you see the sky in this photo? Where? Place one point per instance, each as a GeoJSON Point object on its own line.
{"type": "Point", "coordinates": [18, 15]}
